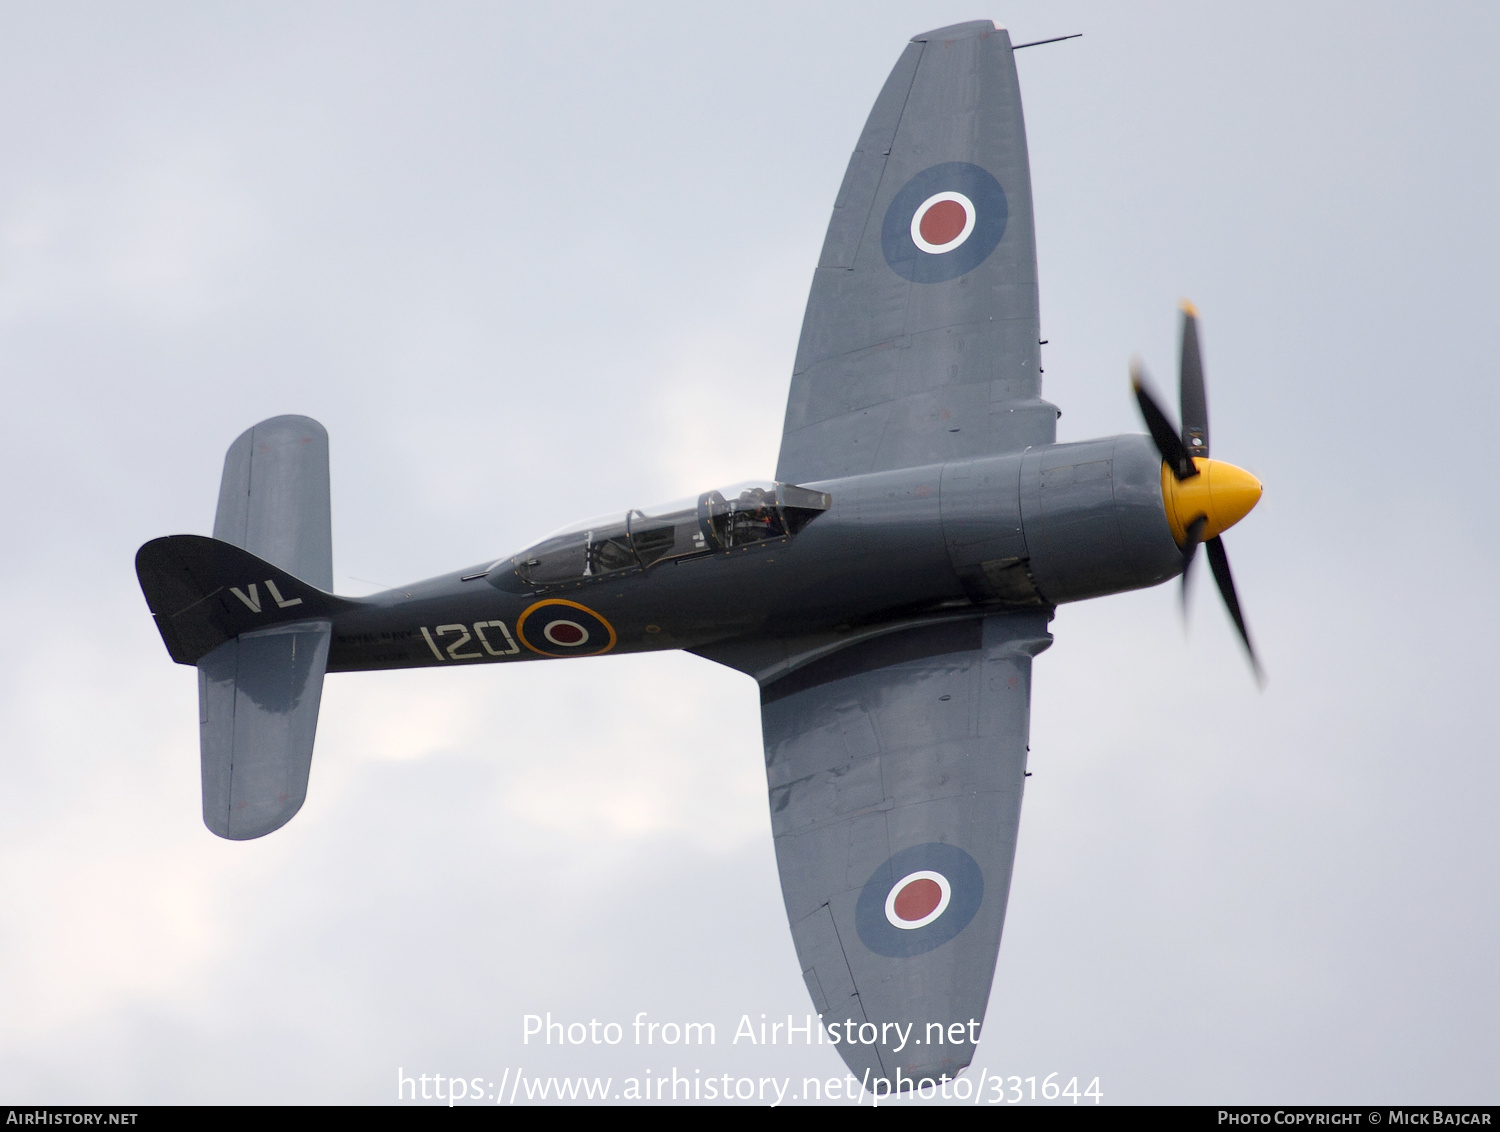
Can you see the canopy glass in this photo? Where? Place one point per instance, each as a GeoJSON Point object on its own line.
{"type": "Point", "coordinates": [721, 520]}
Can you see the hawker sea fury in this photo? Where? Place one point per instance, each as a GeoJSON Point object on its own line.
{"type": "Point", "coordinates": [887, 591]}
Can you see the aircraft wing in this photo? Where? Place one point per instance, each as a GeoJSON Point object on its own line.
{"type": "Point", "coordinates": [919, 344]}
{"type": "Point", "coordinates": [896, 769]}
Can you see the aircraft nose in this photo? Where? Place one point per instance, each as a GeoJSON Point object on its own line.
{"type": "Point", "coordinates": [1221, 493]}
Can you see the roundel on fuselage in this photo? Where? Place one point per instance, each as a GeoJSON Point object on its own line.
{"type": "Point", "coordinates": [558, 627]}
{"type": "Point", "coordinates": [943, 223]}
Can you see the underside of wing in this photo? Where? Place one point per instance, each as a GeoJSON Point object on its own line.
{"type": "Point", "coordinates": [895, 770]}
{"type": "Point", "coordinates": [919, 344]}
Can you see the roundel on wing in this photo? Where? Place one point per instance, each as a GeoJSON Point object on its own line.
{"type": "Point", "coordinates": [918, 900]}
{"type": "Point", "coordinates": [943, 223]}
{"type": "Point", "coordinates": [558, 627]}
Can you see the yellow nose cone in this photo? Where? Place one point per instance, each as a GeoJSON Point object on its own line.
{"type": "Point", "coordinates": [1220, 492]}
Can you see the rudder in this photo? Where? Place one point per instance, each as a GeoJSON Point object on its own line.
{"type": "Point", "coordinates": [204, 592]}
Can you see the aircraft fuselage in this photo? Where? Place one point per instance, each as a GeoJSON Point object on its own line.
{"type": "Point", "coordinates": [1037, 528]}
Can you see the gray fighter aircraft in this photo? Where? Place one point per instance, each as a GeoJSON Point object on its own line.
{"type": "Point", "coordinates": [887, 591]}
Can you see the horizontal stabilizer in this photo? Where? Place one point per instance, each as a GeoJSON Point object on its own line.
{"type": "Point", "coordinates": [251, 608]}
{"type": "Point", "coordinates": [258, 714]}
{"type": "Point", "coordinates": [204, 592]}
{"type": "Point", "coordinates": [274, 498]}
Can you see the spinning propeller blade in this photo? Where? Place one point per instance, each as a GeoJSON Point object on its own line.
{"type": "Point", "coordinates": [1168, 443]}
{"type": "Point", "coordinates": [1189, 554]}
{"type": "Point", "coordinates": [1192, 398]}
{"type": "Point", "coordinates": [1218, 561]}
{"type": "Point", "coordinates": [1203, 498]}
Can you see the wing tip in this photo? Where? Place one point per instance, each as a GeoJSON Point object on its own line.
{"type": "Point", "coordinates": [967, 30]}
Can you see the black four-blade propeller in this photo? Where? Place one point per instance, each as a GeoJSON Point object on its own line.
{"type": "Point", "coordinates": [1198, 512]}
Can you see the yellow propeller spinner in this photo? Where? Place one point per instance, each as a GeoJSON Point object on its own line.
{"type": "Point", "coordinates": [1220, 492]}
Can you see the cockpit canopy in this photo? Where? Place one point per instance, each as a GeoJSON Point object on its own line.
{"type": "Point", "coordinates": [716, 520]}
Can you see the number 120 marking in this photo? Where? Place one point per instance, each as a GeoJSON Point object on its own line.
{"type": "Point", "coordinates": [510, 649]}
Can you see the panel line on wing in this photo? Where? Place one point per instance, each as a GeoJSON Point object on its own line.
{"type": "Point", "coordinates": [858, 1000]}
{"type": "Point", "coordinates": [885, 150]}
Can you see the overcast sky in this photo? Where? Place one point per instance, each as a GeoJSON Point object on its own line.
{"type": "Point", "coordinates": [530, 263]}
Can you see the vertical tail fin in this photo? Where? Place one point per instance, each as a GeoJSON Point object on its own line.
{"type": "Point", "coordinates": [258, 694]}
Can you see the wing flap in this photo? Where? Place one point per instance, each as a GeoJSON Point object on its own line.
{"type": "Point", "coordinates": [828, 978]}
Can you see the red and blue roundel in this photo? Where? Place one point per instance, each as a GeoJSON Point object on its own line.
{"type": "Point", "coordinates": [558, 627]}
{"type": "Point", "coordinates": [919, 899]}
{"type": "Point", "coordinates": [944, 223]}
